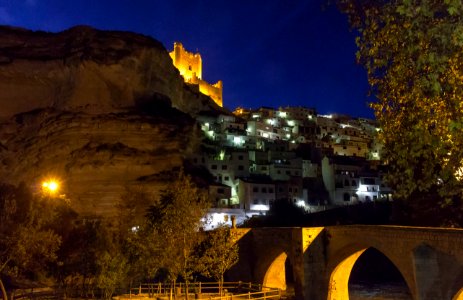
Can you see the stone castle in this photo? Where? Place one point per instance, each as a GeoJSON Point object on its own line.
{"type": "Point", "coordinates": [191, 68]}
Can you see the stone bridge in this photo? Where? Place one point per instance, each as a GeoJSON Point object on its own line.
{"type": "Point", "coordinates": [429, 259]}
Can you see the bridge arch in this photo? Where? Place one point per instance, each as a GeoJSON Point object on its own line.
{"type": "Point", "coordinates": [276, 273]}
{"type": "Point", "coordinates": [459, 295]}
{"type": "Point", "coordinates": [338, 287]}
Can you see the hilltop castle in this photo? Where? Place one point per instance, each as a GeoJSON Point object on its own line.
{"type": "Point", "coordinates": [190, 67]}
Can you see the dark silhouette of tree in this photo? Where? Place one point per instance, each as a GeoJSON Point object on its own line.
{"type": "Point", "coordinates": [217, 254]}
{"type": "Point", "coordinates": [178, 219]}
{"type": "Point", "coordinates": [26, 241]}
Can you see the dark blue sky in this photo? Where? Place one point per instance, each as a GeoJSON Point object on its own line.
{"type": "Point", "coordinates": [267, 52]}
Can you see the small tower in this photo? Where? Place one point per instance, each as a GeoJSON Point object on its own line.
{"type": "Point", "coordinates": [189, 64]}
{"type": "Point", "coordinates": [190, 67]}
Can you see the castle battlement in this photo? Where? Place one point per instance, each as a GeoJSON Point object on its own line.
{"type": "Point", "coordinates": [190, 67]}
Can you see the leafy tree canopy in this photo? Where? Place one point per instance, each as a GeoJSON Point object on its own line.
{"type": "Point", "coordinates": [27, 241]}
{"type": "Point", "coordinates": [178, 219]}
{"type": "Point", "coordinates": [219, 253]}
{"type": "Point", "coordinates": [413, 53]}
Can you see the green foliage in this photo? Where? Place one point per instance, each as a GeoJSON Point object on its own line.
{"type": "Point", "coordinates": [92, 258]}
{"type": "Point", "coordinates": [27, 242]}
{"type": "Point", "coordinates": [219, 253]}
{"type": "Point", "coordinates": [112, 266]}
{"type": "Point", "coordinates": [413, 53]}
{"type": "Point", "coordinates": [178, 220]}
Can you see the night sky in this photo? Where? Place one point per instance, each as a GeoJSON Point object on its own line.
{"type": "Point", "coordinates": [267, 52]}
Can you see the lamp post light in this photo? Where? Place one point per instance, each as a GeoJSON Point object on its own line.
{"type": "Point", "coordinates": [50, 186]}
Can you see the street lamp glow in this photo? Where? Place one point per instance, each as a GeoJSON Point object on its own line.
{"type": "Point", "coordinates": [50, 186]}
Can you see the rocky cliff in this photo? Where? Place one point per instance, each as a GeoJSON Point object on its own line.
{"type": "Point", "coordinates": [100, 110]}
{"type": "Point", "coordinates": [88, 70]}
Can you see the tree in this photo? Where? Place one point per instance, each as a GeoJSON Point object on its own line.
{"type": "Point", "coordinates": [413, 53]}
{"type": "Point", "coordinates": [178, 218]}
{"type": "Point", "coordinates": [26, 241]}
{"type": "Point", "coordinates": [110, 261]}
{"type": "Point", "coordinates": [219, 253]}
{"type": "Point", "coordinates": [139, 241]}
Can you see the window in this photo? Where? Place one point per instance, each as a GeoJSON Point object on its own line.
{"type": "Point", "coordinates": [255, 189]}
{"type": "Point", "coordinates": [256, 201]}
{"type": "Point", "coordinates": [224, 167]}
{"type": "Point", "coordinates": [270, 190]}
{"type": "Point", "coordinates": [240, 157]}
{"type": "Point", "coordinates": [290, 189]}
{"type": "Point", "coordinates": [264, 190]}
{"type": "Point", "coordinates": [346, 197]}
{"type": "Point", "coordinates": [264, 168]}
{"type": "Point", "coordinates": [280, 189]}
{"type": "Point", "coordinates": [288, 173]}
{"type": "Point", "coordinates": [346, 182]}
{"type": "Point", "coordinates": [214, 167]}
{"type": "Point", "coordinates": [195, 160]}
{"type": "Point", "coordinates": [226, 178]}
{"type": "Point", "coordinates": [240, 168]}
{"type": "Point", "coordinates": [220, 191]}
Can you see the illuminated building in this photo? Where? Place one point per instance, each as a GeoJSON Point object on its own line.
{"type": "Point", "coordinates": [190, 67]}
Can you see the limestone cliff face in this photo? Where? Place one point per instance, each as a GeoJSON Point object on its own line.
{"type": "Point", "coordinates": [96, 156]}
{"type": "Point", "coordinates": [93, 108]}
{"type": "Point", "coordinates": [88, 70]}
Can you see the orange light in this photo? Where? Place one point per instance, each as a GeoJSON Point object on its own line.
{"type": "Point", "coordinates": [51, 186]}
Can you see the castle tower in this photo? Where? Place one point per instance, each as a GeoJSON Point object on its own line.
{"type": "Point", "coordinates": [189, 64]}
{"type": "Point", "coordinates": [191, 68]}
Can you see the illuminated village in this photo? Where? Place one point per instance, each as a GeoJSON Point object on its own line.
{"type": "Point", "coordinates": [125, 176]}
{"type": "Point", "coordinates": [259, 156]}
